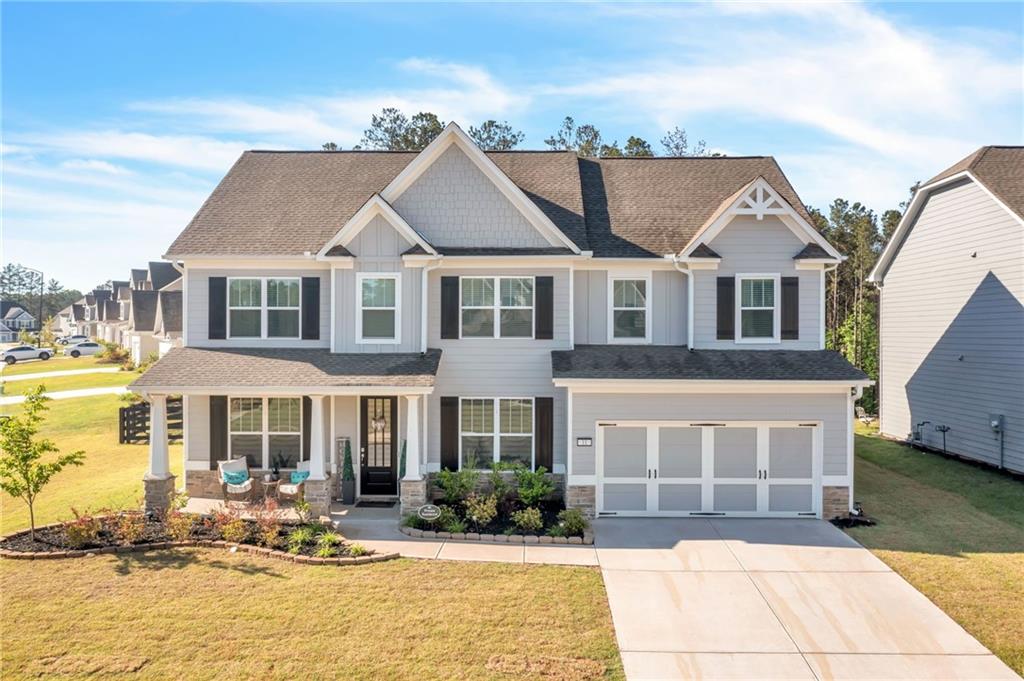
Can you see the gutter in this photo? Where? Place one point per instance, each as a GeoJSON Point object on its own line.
{"type": "Point", "coordinates": [689, 298]}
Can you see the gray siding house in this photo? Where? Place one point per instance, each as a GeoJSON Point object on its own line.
{"type": "Point", "coordinates": [952, 313]}
{"type": "Point", "coordinates": [650, 331]}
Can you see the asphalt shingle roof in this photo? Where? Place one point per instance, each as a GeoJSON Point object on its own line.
{"type": "Point", "coordinates": [162, 273]}
{"type": "Point", "coordinates": [1000, 169]}
{"type": "Point", "coordinates": [221, 369]}
{"type": "Point", "coordinates": [144, 309]}
{"type": "Point", "coordinates": [679, 363]}
{"type": "Point", "coordinates": [811, 250]}
{"type": "Point", "coordinates": [170, 311]}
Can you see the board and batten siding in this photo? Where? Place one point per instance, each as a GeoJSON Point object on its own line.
{"type": "Point", "coordinates": [751, 246]}
{"type": "Point", "coordinates": [497, 367]}
{"type": "Point", "coordinates": [831, 409]}
{"type": "Point", "coordinates": [592, 307]}
{"type": "Point", "coordinates": [197, 309]}
{"type": "Point", "coordinates": [952, 327]}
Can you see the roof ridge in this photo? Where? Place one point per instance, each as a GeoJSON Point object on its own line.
{"type": "Point", "coordinates": [395, 151]}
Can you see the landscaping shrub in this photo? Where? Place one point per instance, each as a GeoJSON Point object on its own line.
{"type": "Point", "coordinates": [457, 485]}
{"type": "Point", "coordinates": [502, 488]}
{"type": "Point", "coordinates": [445, 517]}
{"type": "Point", "coordinates": [179, 524]}
{"type": "Point", "coordinates": [268, 523]}
{"type": "Point", "coordinates": [573, 521]}
{"type": "Point", "coordinates": [356, 550]}
{"type": "Point", "coordinates": [300, 537]}
{"type": "Point", "coordinates": [557, 531]}
{"type": "Point", "coordinates": [327, 544]}
{"type": "Point", "coordinates": [534, 486]}
{"type": "Point", "coordinates": [83, 530]}
{"type": "Point", "coordinates": [455, 526]}
{"type": "Point", "coordinates": [481, 510]}
{"type": "Point", "coordinates": [415, 522]}
{"type": "Point", "coordinates": [128, 527]}
{"type": "Point", "coordinates": [235, 530]}
{"type": "Point", "coordinates": [529, 520]}
{"type": "Point", "coordinates": [113, 354]}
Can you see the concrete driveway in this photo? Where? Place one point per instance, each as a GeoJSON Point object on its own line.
{"type": "Point", "coordinates": [771, 599]}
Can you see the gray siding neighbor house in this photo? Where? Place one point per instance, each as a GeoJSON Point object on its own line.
{"type": "Point", "coordinates": [952, 313]}
{"type": "Point", "coordinates": [649, 331]}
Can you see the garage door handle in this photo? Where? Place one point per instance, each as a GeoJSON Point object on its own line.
{"type": "Point", "coordinates": [648, 473]}
{"type": "Point", "coordinates": [655, 473]}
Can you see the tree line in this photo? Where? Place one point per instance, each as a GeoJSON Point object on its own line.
{"type": "Point", "coordinates": [27, 288]}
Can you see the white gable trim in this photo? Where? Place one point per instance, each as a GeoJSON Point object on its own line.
{"type": "Point", "coordinates": [759, 199]}
{"type": "Point", "coordinates": [372, 208]}
{"type": "Point", "coordinates": [902, 229]}
{"type": "Point", "coordinates": [453, 134]}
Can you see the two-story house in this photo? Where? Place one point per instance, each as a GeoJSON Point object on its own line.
{"type": "Point", "coordinates": [648, 330]}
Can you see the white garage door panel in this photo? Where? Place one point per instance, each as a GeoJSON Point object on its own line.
{"type": "Point", "coordinates": [732, 468]}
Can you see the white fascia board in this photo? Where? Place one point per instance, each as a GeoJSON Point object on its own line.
{"type": "Point", "coordinates": [374, 206]}
{"type": "Point", "coordinates": [491, 261]}
{"type": "Point", "coordinates": [286, 390]}
{"type": "Point", "coordinates": [251, 261]}
{"type": "Point", "coordinates": [596, 385]}
{"type": "Point", "coordinates": [787, 214]}
{"type": "Point", "coordinates": [453, 134]}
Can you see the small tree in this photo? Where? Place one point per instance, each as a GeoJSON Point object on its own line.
{"type": "Point", "coordinates": [23, 473]}
{"type": "Point", "coordinates": [25, 338]}
{"type": "Point", "coordinates": [347, 473]}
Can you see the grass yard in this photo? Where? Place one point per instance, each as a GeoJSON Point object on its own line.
{"type": "Point", "coordinates": [56, 363]}
{"type": "Point", "coordinates": [77, 382]}
{"type": "Point", "coordinates": [954, 531]}
{"type": "Point", "coordinates": [211, 615]}
{"type": "Point", "coordinates": [112, 473]}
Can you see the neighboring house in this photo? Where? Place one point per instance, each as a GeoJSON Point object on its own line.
{"type": "Point", "coordinates": [952, 312]}
{"type": "Point", "coordinates": [64, 322]}
{"type": "Point", "coordinates": [162, 275]}
{"type": "Point", "coordinates": [13, 320]}
{"type": "Point", "coordinates": [650, 330]}
{"type": "Point", "coordinates": [167, 321]}
{"type": "Point", "coordinates": [139, 278]}
{"type": "Point", "coordinates": [139, 338]}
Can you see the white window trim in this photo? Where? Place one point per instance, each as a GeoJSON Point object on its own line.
{"type": "Point", "coordinates": [496, 435]}
{"type": "Point", "coordinates": [362, 276]}
{"type": "Point", "coordinates": [265, 428]}
{"type": "Point", "coordinates": [648, 287]}
{"type": "Point", "coordinates": [263, 308]}
{"type": "Point", "coordinates": [497, 307]}
{"type": "Point", "coordinates": [776, 311]}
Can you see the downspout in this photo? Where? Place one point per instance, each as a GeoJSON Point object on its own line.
{"type": "Point", "coordinates": [689, 299]}
{"type": "Point", "coordinates": [423, 302]}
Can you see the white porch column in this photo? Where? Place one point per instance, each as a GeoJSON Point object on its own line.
{"type": "Point", "coordinates": [159, 464]}
{"type": "Point", "coordinates": [412, 438]}
{"type": "Point", "coordinates": [317, 456]}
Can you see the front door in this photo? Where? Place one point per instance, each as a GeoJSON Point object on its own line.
{"type": "Point", "coordinates": [378, 460]}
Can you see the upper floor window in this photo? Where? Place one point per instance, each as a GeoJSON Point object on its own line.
{"type": "Point", "coordinates": [758, 310]}
{"type": "Point", "coordinates": [497, 307]}
{"type": "Point", "coordinates": [630, 318]}
{"type": "Point", "coordinates": [263, 307]}
{"type": "Point", "coordinates": [378, 314]}
{"type": "Point", "coordinates": [496, 430]}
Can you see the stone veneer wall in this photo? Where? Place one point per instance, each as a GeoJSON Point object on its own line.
{"type": "Point", "coordinates": [206, 485]}
{"type": "Point", "coordinates": [835, 502]}
{"type": "Point", "coordinates": [583, 497]}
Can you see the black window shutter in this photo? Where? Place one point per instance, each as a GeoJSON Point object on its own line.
{"type": "Point", "coordinates": [218, 430]}
{"type": "Point", "coordinates": [218, 308]}
{"type": "Point", "coordinates": [310, 308]}
{"type": "Point", "coordinates": [790, 308]}
{"type": "Point", "coordinates": [450, 433]}
{"type": "Point", "coordinates": [545, 302]}
{"type": "Point", "coordinates": [544, 431]}
{"type": "Point", "coordinates": [726, 308]}
{"type": "Point", "coordinates": [307, 410]}
{"type": "Point", "coordinates": [449, 307]}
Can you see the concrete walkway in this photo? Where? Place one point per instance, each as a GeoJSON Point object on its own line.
{"type": "Point", "coordinates": [771, 599]}
{"type": "Point", "coordinates": [52, 374]}
{"type": "Point", "coordinates": [67, 394]}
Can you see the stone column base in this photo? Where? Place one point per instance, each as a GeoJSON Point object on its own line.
{"type": "Point", "coordinates": [317, 494]}
{"type": "Point", "coordinates": [158, 493]}
{"type": "Point", "coordinates": [412, 494]}
{"type": "Point", "coordinates": [583, 497]}
{"type": "Point", "coordinates": [835, 502]}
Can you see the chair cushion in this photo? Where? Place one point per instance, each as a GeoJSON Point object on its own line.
{"type": "Point", "coordinates": [240, 489]}
{"type": "Point", "coordinates": [235, 478]}
{"type": "Point", "coordinates": [299, 477]}
{"type": "Point", "coordinates": [289, 490]}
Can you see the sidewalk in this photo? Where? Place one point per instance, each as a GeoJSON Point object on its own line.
{"type": "Point", "coordinates": [52, 374]}
{"type": "Point", "coordinates": [67, 394]}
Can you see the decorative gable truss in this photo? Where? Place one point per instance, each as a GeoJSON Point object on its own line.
{"type": "Point", "coordinates": [759, 198]}
{"type": "Point", "coordinates": [337, 247]}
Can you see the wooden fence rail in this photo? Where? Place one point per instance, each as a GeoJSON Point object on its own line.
{"type": "Point", "coordinates": [133, 422]}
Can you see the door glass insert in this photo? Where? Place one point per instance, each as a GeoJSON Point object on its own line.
{"type": "Point", "coordinates": [378, 446]}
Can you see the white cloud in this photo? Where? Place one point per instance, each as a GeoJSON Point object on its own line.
{"type": "Point", "coordinates": [187, 151]}
{"type": "Point", "coordinates": [94, 165]}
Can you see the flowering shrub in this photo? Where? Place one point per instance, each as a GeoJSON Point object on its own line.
{"type": "Point", "coordinates": [128, 527]}
{"type": "Point", "coordinates": [83, 530]}
{"type": "Point", "coordinates": [268, 523]}
{"type": "Point", "coordinates": [179, 524]}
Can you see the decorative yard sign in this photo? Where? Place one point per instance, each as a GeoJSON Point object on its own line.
{"type": "Point", "coordinates": [428, 512]}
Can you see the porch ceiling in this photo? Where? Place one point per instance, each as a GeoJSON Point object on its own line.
{"type": "Point", "coordinates": [221, 369]}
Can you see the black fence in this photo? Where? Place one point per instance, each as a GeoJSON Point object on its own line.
{"type": "Point", "coordinates": [133, 422]}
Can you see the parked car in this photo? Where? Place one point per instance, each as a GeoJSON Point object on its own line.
{"type": "Point", "coordinates": [72, 340]}
{"type": "Point", "coordinates": [86, 348]}
{"type": "Point", "coordinates": [20, 352]}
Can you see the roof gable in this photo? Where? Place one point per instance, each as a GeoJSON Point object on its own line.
{"type": "Point", "coordinates": [375, 207]}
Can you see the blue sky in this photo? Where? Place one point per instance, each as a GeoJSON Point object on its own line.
{"type": "Point", "coordinates": [118, 119]}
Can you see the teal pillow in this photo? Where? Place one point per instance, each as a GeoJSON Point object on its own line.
{"type": "Point", "coordinates": [299, 477]}
{"type": "Point", "coordinates": [235, 477]}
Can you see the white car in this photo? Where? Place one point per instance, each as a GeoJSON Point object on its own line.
{"type": "Point", "coordinates": [73, 340]}
{"type": "Point", "coordinates": [20, 352]}
{"type": "Point", "coordinates": [86, 348]}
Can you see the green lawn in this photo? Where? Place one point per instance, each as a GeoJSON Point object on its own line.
{"type": "Point", "coordinates": [954, 531]}
{"type": "Point", "coordinates": [56, 363]}
{"type": "Point", "coordinates": [58, 383]}
{"type": "Point", "coordinates": [111, 476]}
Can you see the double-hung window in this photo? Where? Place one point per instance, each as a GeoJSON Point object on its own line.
{"type": "Point", "coordinates": [264, 307]}
{"type": "Point", "coordinates": [497, 307]}
{"type": "Point", "coordinates": [378, 308]}
{"type": "Point", "coordinates": [758, 311]}
{"type": "Point", "coordinates": [496, 430]}
{"type": "Point", "coordinates": [630, 317]}
{"type": "Point", "coordinates": [266, 431]}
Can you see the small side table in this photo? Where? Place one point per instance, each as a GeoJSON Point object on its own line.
{"type": "Point", "coordinates": [270, 489]}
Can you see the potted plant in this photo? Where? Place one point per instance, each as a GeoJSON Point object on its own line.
{"type": "Point", "coordinates": [277, 463]}
{"type": "Point", "coordinates": [348, 477]}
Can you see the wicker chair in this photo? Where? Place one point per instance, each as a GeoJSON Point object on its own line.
{"type": "Point", "coordinates": [233, 492]}
{"type": "Point", "coordinates": [288, 490]}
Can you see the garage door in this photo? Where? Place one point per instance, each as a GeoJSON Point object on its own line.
{"type": "Point", "coordinates": [726, 468]}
